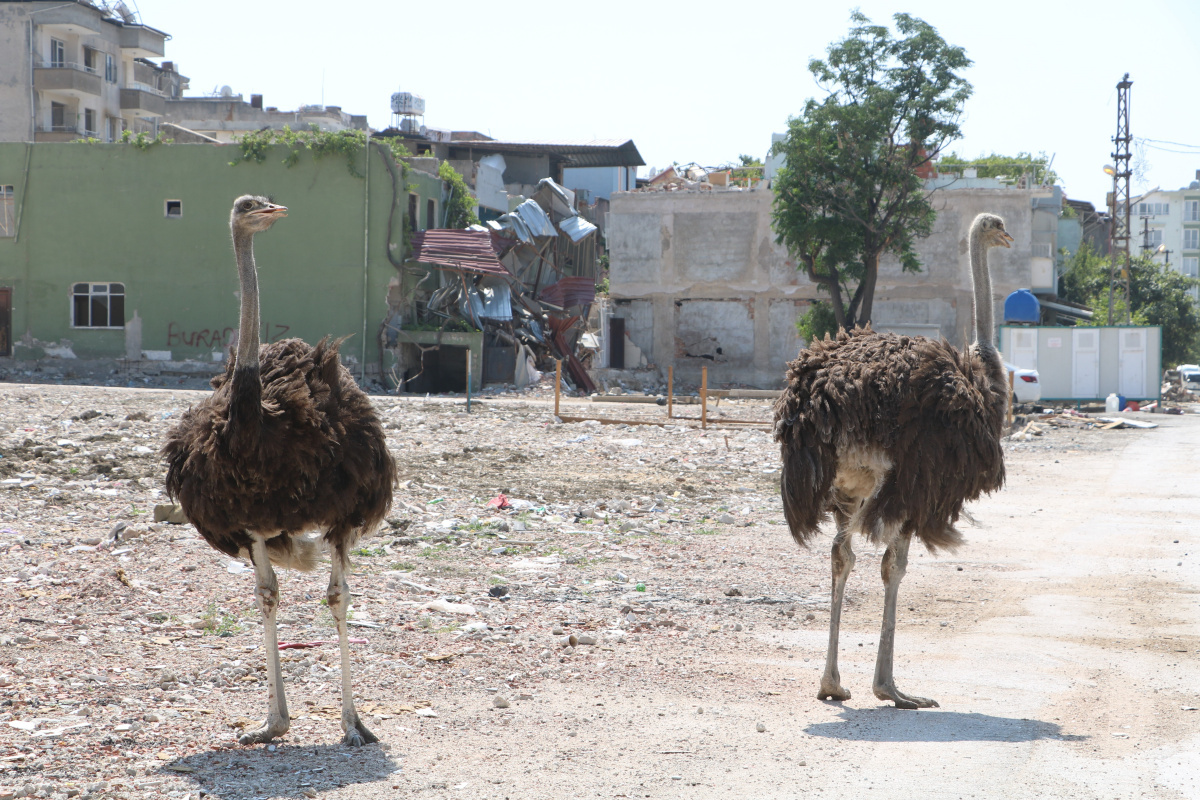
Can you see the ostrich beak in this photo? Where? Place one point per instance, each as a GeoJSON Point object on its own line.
{"type": "Point", "coordinates": [272, 211]}
{"type": "Point", "coordinates": [1003, 239]}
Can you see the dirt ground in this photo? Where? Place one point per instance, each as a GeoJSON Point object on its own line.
{"type": "Point", "coordinates": [1061, 641]}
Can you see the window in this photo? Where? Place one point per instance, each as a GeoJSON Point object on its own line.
{"type": "Point", "coordinates": [431, 214]}
{"type": "Point", "coordinates": [98, 305]}
{"type": "Point", "coordinates": [1191, 210]}
{"type": "Point", "coordinates": [1191, 238]}
{"type": "Point", "coordinates": [110, 68]}
{"type": "Point", "coordinates": [174, 209]}
{"type": "Point", "coordinates": [8, 221]}
{"type": "Point", "coordinates": [1191, 266]}
{"type": "Point", "coordinates": [89, 121]}
{"type": "Point", "coordinates": [1153, 209]}
{"type": "Point", "coordinates": [1153, 237]}
{"type": "Point", "coordinates": [412, 213]}
{"type": "Point", "coordinates": [58, 116]}
{"type": "Point", "coordinates": [58, 54]}
{"type": "Point", "coordinates": [89, 60]}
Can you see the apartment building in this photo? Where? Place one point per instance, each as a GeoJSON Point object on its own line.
{"type": "Point", "coordinates": [1166, 225]}
{"type": "Point", "coordinates": [80, 69]}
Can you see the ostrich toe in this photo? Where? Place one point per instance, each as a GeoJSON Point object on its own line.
{"type": "Point", "coordinates": [833, 691]}
{"type": "Point", "coordinates": [357, 733]}
{"type": "Point", "coordinates": [902, 700]}
{"type": "Point", "coordinates": [271, 729]}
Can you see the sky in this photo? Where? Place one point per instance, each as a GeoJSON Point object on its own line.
{"type": "Point", "coordinates": [705, 81]}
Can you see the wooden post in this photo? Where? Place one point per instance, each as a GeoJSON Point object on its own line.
{"type": "Point", "coordinates": [1011, 378]}
{"type": "Point", "coordinates": [557, 382]}
{"type": "Point", "coordinates": [670, 393]}
{"type": "Point", "coordinates": [704, 398]}
{"type": "Point", "coordinates": [468, 380]}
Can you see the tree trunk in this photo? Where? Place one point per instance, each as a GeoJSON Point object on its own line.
{"type": "Point", "coordinates": [867, 287]}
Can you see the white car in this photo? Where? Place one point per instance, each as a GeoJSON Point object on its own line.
{"type": "Point", "coordinates": [1190, 375]}
{"type": "Point", "coordinates": [1026, 388]}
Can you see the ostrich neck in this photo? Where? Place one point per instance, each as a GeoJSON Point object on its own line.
{"type": "Point", "coordinates": [981, 286]}
{"type": "Point", "coordinates": [247, 349]}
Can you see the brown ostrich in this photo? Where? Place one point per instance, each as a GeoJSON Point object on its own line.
{"type": "Point", "coordinates": [286, 445]}
{"type": "Point", "coordinates": [892, 434]}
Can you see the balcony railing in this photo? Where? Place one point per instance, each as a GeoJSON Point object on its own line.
{"type": "Point", "coordinates": [52, 64]}
{"type": "Point", "coordinates": [1040, 250]}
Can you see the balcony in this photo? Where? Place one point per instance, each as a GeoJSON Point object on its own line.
{"type": "Point", "coordinates": [68, 78]}
{"type": "Point", "coordinates": [71, 19]}
{"type": "Point", "coordinates": [140, 41]}
{"type": "Point", "coordinates": [66, 128]}
{"type": "Point", "coordinates": [143, 103]}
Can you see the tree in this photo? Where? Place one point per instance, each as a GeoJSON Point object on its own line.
{"type": "Point", "coordinates": [460, 212]}
{"type": "Point", "coordinates": [1158, 296]}
{"type": "Point", "coordinates": [849, 191]}
{"type": "Point", "coordinates": [998, 166]}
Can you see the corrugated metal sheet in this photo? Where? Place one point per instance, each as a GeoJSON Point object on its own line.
{"type": "Point", "coordinates": [572, 291]}
{"type": "Point", "coordinates": [458, 249]}
{"type": "Point", "coordinates": [591, 153]}
{"type": "Point", "coordinates": [576, 227]}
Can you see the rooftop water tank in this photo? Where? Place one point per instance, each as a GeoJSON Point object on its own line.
{"type": "Point", "coordinates": [1022, 307]}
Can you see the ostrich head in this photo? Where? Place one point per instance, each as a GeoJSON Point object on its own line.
{"type": "Point", "coordinates": [992, 228]}
{"type": "Point", "coordinates": [253, 214]}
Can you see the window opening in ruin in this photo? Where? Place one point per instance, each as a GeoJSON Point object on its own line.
{"type": "Point", "coordinates": [98, 305]}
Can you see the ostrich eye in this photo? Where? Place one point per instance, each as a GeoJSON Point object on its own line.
{"type": "Point", "coordinates": [246, 206]}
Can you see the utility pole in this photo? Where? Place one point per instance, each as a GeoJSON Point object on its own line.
{"type": "Point", "coordinates": [1120, 231]}
{"type": "Point", "coordinates": [1146, 235]}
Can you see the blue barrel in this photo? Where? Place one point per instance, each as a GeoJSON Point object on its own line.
{"type": "Point", "coordinates": [1022, 307]}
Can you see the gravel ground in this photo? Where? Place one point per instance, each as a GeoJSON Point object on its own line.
{"type": "Point", "coordinates": [638, 566]}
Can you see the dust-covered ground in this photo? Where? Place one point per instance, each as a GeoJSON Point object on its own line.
{"type": "Point", "coordinates": [1060, 642]}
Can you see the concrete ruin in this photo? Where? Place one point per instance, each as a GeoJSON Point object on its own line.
{"type": "Point", "coordinates": [699, 281]}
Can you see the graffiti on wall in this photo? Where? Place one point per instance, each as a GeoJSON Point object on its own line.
{"type": "Point", "coordinates": [217, 338]}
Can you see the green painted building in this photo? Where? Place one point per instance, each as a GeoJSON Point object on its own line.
{"type": "Point", "coordinates": [114, 251]}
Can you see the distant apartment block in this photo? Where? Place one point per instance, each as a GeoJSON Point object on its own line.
{"type": "Point", "coordinates": [1166, 225]}
{"type": "Point", "coordinates": [226, 116]}
{"type": "Point", "coordinates": [77, 70]}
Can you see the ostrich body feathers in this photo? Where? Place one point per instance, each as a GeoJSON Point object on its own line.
{"type": "Point", "coordinates": [291, 447]}
{"type": "Point", "coordinates": [897, 432]}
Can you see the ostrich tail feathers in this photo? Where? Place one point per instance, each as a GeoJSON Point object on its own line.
{"type": "Point", "coordinates": [299, 553]}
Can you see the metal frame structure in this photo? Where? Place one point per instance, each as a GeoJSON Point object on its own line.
{"type": "Point", "coordinates": [1120, 232]}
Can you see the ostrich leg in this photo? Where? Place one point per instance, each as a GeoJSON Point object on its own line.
{"type": "Point", "coordinates": [843, 561]}
{"type": "Point", "coordinates": [894, 563]}
{"type": "Point", "coordinates": [266, 596]}
{"type": "Point", "coordinates": [356, 734]}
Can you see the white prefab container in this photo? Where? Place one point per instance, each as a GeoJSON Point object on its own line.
{"type": "Point", "coordinates": [1088, 363]}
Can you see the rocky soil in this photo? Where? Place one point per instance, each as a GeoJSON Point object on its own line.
{"type": "Point", "coordinates": [637, 595]}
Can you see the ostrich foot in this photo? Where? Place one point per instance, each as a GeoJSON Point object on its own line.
{"type": "Point", "coordinates": [832, 689]}
{"type": "Point", "coordinates": [902, 700]}
{"type": "Point", "coordinates": [272, 728]}
{"type": "Point", "coordinates": [356, 733]}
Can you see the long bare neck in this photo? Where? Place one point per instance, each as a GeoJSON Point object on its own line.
{"type": "Point", "coordinates": [981, 286]}
{"type": "Point", "coordinates": [247, 349]}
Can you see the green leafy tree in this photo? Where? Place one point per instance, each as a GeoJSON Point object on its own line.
{"type": "Point", "coordinates": [849, 191]}
{"type": "Point", "coordinates": [1158, 296]}
{"type": "Point", "coordinates": [998, 166]}
{"type": "Point", "coordinates": [461, 206]}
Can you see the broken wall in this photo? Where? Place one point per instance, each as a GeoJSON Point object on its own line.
{"type": "Point", "coordinates": [700, 281]}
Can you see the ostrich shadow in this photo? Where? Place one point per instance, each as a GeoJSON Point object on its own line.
{"type": "Point", "coordinates": [887, 724]}
{"type": "Point", "coordinates": [289, 771]}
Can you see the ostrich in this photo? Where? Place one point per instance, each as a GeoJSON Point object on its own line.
{"type": "Point", "coordinates": [892, 434]}
{"type": "Point", "coordinates": [285, 445]}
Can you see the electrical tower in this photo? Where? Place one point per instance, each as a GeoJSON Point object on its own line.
{"type": "Point", "coordinates": [1119, 241]}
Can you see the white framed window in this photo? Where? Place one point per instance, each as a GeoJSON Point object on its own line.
{"type": "Point", "coordinates": [89, 60]}
{"type": "Point", "coordinates": [110, 68]}
{"type": "Point", "coordinates": [1153, 237]}
{"type": "Point", "coordinates": [58, 54]}
{"type": "Point", "coordinates": [1191, 266]}
{"type": "Point", "coordinates": [98, 305]}
{"type": "Point", "coordinates": [89, 121]}
{"type": "Point", "coordinates": [1153, 209]}
{"type": "Point", "coordinates": [1191, 238]}
{"type": "Point", "coordinates": [173, 208]}
{"type": "Point", "coordinates": [1191, 210]}
{"type": "Point", "coordinates": [8, 219]}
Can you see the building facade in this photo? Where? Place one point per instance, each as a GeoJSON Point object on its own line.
{"type": "Point", "coordinates": [117, 252]}
{"type": "Point", "coordinates": [1166, 226]}
{"type": "Point", "coordinates": [227, 116]}
{"type": "Point", "coordinates": [71, 70]}
{"type": "Point", "coordinates": [699, 280]}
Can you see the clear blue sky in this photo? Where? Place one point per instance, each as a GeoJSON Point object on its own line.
{"type": "Point", "coordinates": [705, 81]}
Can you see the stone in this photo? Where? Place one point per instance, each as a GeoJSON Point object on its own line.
{"type": "Point", "coordinates": [171, 513]}
{"type": "Point", "coordinates": [761, 728]}
{"type": "Point", "coordinates": [733, 591]}
{"type": "Point", "coordinates": [500, 702]}
{"type": "Point", "coordinates": [727, 519]}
